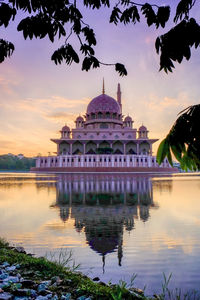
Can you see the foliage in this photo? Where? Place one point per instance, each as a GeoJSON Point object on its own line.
{"type": "Point", "coordinates": [121, 290]}
{"type": "Point", "coordinates": [64, 18]}
{"type": "Point", "coordinates": [175, 294]}
{"type": "Point", "coordinates": [43, 269]}
{"type": "Point", "coordinates": [64, 259]}
{"type": "Point", "coordinates": [3, 243]}
{"type": "Point", "coordinates": [183, 140]}
{"type": "Point", "coordinates": [8, 162]}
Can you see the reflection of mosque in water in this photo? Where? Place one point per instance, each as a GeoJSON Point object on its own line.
{"type": "Point", "coordinates": [103, 206]}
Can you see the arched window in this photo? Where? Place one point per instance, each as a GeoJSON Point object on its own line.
{"type": "Point", "coordinates": [103, 125]}
{"type": "Point", "coordinates": [99, 115]}
{"type": "Point", "coordinates": [107, 115]}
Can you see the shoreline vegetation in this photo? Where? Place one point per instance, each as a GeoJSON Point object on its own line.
{"type": "Point", "coordinates": [25, 277]}
{"type": "Point", "coordinates": [16, 163]}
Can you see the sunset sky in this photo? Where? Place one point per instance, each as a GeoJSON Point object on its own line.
{"type": "Point", "coordinates": [38, 97]}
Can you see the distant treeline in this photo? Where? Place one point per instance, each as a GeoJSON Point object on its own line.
{"type": "Point", "coordinates": [8, 162]}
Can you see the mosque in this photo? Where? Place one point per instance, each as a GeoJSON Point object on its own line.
{"type": "Point", "coordinates": [103, 140]}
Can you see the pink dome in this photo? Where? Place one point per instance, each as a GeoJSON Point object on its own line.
{"type": "Point", "coordinates": [79, 118]}
{"type": "Point", "coordinates": [103, 103]}
{"type": "Point", "coordinates": [65, 128]}
{"type": "Point", "coordinates": [128, 119]}
{"type": "Point", "coordinates": [142, 128]}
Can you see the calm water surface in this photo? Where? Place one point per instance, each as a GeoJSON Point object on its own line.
{"type": "Point", "coordinates": [116, 225]}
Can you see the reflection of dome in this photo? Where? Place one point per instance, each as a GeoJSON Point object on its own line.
{"type": "Point", "coordinates": [128, 119]}
{"type": "Point", "coordinates": [65, 128]}
{"type": "Point", "coordinates": [103, 245]}
{"type": "Point", "coordinates": [79, 118]}
{"type": "Point", "coordinates": [103, 103]}
{"type": "Point", "coordinates": [142, 128]}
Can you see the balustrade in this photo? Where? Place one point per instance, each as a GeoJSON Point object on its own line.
{"type": "Point", "coordinates": [100, 160]}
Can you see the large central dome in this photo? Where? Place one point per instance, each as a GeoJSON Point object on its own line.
{"type": "Point", "coordinates": [103, 103]}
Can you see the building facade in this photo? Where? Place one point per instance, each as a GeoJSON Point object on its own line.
{"type": "Point", "coordinates": [102, 140]}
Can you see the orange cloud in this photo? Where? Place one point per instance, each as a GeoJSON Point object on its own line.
{"type": "Point", "coordinates": [160, 104]}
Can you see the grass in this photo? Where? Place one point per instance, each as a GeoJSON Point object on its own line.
{"type": "Point", "coordinates": [64, 258]}
{"type": "Point", "coordinates": [39, 269]}
{"type": "Point", "coordinates": [176, 294]}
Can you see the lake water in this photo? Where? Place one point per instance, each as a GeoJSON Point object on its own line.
{"type": "Point", "coordinates": [115, 225]}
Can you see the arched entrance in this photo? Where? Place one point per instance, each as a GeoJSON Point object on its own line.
{"type": "Point", "coordinates": [64, 148]}
{"type": "Point", "coordinates": [77, 148]}
{"type": "Point", "coordinates": [144, 148]}
{"type": "Point", "coordinates": [118, 147]}
{"type": "Point", "coordinates": [91, 147]}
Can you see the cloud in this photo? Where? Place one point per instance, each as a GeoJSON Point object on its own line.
{"type": "Point", "coordinates": [29, 121]}
{"type": "Point", "coordinates": [172, 241]}
{"type": "Point", "coordinates": [60, 115]}
{"type": "Point", "coordinates": [48, 104]}
{"type": "Point", "coordinates": [6, 144]}
{"type": "Point", "coordinates": [162, 104]}
{"type": "Point", "coordinates": [7, 86]}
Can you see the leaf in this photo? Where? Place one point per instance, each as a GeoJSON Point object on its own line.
{"type": "Point", "coordinates": [121, 69]}
{"type": "Point", "coordinates": [6, 14]}
{"type": "Point", "coordinates": [77, 26]}
{"type": "Point", "coordinates": [130, 15]}
{"type": "Point", "coordinates": [183, 139]}
{"type": "Point", "coordinates": [157, 44]}
{"type": "Point", "coordinates": [163, 15]}
{"type": "Point", "coordinates": [86, 49]}
{"type": "Point", "coordinates": [182, 8]}
{"type": "Point", "coordinates": [165, 62]}
{"type": "Point", "coordinates": [114, 17]}
{"type": "Point", "coordinates": [66, 53]}
{"type": "Point", "coordinates": [6, 49]}
{"type": "Point", "coordinates": [89, 62]}
{"type": "Point", "coordinates": [177, 150]}
{"type": "Point", "coordinates": [163, 150]}
{"type": "Point", "coordinates": [89, 35]}
{"type": "Point", "coordinates": [149, 14]}
{"type": "Point", "coordinates": [177, 42]}
{"type": "Point", "coordinates": [169, 157]}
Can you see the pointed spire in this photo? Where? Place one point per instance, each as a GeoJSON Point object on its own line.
{"type": "Point", "coordinates": [118, 88]}
{"type": "Point", "coordinates": [103, 90]}
{"type": "Point", "coordinates": [119, 95]}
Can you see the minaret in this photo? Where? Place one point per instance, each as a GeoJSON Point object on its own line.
{"type": "Point", "coordinates": [119, 96]}
{"type": "Point", "coordinates": [103, 90]}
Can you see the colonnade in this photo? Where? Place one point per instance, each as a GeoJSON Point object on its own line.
{"type": "Point", "coordinates": [83, 147]}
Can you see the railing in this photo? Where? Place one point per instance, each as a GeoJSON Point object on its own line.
{"type": "Point", "coordinates": [101, 160]}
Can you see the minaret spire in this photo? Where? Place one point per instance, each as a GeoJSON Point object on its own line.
{"type": "Point", "coordinates": [103, 90]}
{"type": "Point", "coordinates": [119, 95]}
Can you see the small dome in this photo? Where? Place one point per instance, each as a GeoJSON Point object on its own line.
{"type": "Point", "coordinates": [79, 118]}
{"type": "Point", "coordinates": [128, 119]}
{"type": "Point", "coordinates": [103, 103]}
{"type": "Point", "coordinates": [65, 128]}
{"type": "Point", "coordinates": [142, 128]}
